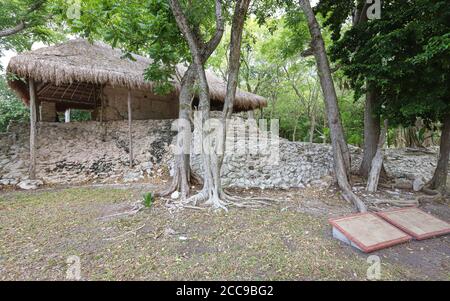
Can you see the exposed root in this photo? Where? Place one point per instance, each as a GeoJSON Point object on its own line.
{"type": "Point", "coordinates": [194, 207]}
{"type": "Point", "coordinates": [374, 206]}
{"type": "Point", "coordinates": [124, 235]}
{"type": "Point", "coordinates": [248, 202]}
{"type": "Point", "coordinates": [199, 197]}
{"type": "Point", "coordinates": [217, 203]}
{"type": "Point", "coordinates": [222, 201]}
{"type": "Point", "coordinates": [172, 187]}
{"type": "Point", "coordinates": [237, 198]}
{"type": "Point", "coordinates": [403, 186]}
{"type": "Point", "coordinates": [397, 203]}
{"type": "Point", "coordinates": [137, 206]}
{"type": "Point", "coordinates": [429, 191]}
{"type": "Point", "coordinates": [429, 195]}
{"type": "Point", "coordinates": [430, 198]}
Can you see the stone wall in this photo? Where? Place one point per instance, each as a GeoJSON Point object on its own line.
{"type": "Point", "coordinates": [144, 105]}
{"type": "Point", "coordinates": [47, 111]}
{"type": "Point", "coordinates": [80, 152]}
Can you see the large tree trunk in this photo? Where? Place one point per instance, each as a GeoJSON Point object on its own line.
{"type": "Point", "coordinates": [200, 52]}
{"type": "Point", "coordinates": [200, 55]}
{"type": "Point", "coordinates": [377, 162]}
{"type": "Point", "coordinates": [182, 173]}
{"type": "Point", "coordinates": [371, 130]}
{"type": "Point", "coordinates": [340, 148]}
{"type": "Point", "coordinates": [212, 190]}
{"type": "Point", "coordinates": [439, 180]}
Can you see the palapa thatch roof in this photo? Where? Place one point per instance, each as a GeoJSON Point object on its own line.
{"type": "Point", "coordinates": [79, 61]}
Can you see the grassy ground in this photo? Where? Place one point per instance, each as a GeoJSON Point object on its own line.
{"type": "Point", "coordinates": [290, 241]}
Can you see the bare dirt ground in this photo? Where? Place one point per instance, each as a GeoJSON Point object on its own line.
{"type": "Point", "coordinates": [290, 240]}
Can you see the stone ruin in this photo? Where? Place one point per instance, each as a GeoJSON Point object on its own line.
{"type": "Point", "coordinates": [92, 152]}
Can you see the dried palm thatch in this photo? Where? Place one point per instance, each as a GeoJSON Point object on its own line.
{"type": "Point", "coordinates": [80, 61]}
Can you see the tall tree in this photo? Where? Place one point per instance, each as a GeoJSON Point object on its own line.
{"type": "Point", "coordinates": [340, 148]}
{"type": "Point", "coordinates": [336, 17]}
{"type": "Point", "coordinates": [439, 180]}
{"type": "Point", "coordinates": [200, 52]}
{"type": "Point", "coordinates": [406, 54]}
{"type": "Point", "coordinates": [149, 28]}
{"type": "Point", "coordinates": [212, 191]}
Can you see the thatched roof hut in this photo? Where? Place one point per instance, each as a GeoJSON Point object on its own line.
{"type": "Point", "coordinates": [72, 74]}
{"type": "Point", "coordinates": [80, 75]}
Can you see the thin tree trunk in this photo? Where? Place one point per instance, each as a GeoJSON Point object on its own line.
{"type": "Point", "coordinates": [400, 137]}
{"type": "Point", "coordinates": [439, 180]}
{"type": "Point", "coordinates": [199, 55]}
{"type": "Point", "coordinates": [295, 128]}
{"type": "Point", "coordinates": [182, 173]}
{"type": "Point", "coordinates": [313, 126]}
{"type": "Point", "coordinates": [340, 148]}
{"type": "Point", "coordinates": [32, 170]}
{"type": "Point", "coordinates": [237, 27]}
{"type": "Point", "coordinates": [377, 162]}
{"type": "Point", "coordinates": [428, 138]}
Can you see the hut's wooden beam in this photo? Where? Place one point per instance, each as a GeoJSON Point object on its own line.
{"type": "Point", "coordinates": [70, 101]}
{"type": "Point", "coordinates": [32, 170]}
{"type": "Point", "coordinates": [130, 135]}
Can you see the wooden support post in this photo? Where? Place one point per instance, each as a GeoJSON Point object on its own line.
{"type": "Point", "coordinates": [67, 115]}
{"type": "Point", "coordinates": [101, 104]}
{"type": "Point", "coordinates": [130, 135]}
{"type": "Point", "coordinates": [32, 170]}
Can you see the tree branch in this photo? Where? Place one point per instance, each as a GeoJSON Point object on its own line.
{"type": "Point", "coordinates": [307, 52]}
{"type": "Point", "coordinates": [22, 24]}
{"type": "Point", "coordinates": [13, 30]}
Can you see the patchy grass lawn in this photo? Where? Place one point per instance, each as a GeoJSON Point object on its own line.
{"type": "Point", "coordinates": [40, 230]}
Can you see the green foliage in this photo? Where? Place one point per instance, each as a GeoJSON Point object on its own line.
{"type": "Point", "coordinates": [352, 116]}
{"type": "Point", "coordinates": [80, 115]}
{"type": "Point", "coordinates": [144, 27]}
{"type": "Point", "coordinates": [272, 66]}
{"type": "Point", "coordinates": [148, 199]}
{"type": "Point", "coordinates": [405, 54]}
{"type": "Point", "coordinates": [76, 115]}
{"type": "Point", "coordinates": [36, 15]}
{"type": "Point", "coordinates": [11, 108]}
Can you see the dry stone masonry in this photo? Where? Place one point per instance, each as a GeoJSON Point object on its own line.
{"type": "Point", "coordinates": [94, 152]}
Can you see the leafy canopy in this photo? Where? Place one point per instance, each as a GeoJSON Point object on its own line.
{"type": "Point", "coordinates": [36, 16]}
{"type": "Point", "coordinates": [145, 27]}
{"type": "Point", "coordinates": [405, 54]}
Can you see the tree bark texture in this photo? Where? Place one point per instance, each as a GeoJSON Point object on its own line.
{"type": "Point", "coordinates": [377, 162]}
{"type": "Point", "coordinates": [340, 148]}
{"type": "Point", "coordinates": [439, 180]}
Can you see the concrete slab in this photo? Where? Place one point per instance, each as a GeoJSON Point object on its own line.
{"type": "Point", "coordinates": [367, 231]}
{"type": "Point", "coordinates": [417, 223]}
